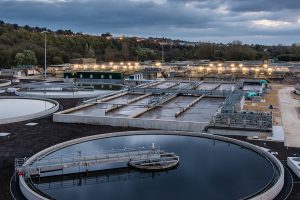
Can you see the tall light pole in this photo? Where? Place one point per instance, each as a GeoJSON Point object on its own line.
{"type": "Point", "coordinates": [162, 53]}
{"type": "Point", "coordinates": [45, 72]}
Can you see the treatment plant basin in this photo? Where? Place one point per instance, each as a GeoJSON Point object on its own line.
{"type": "Point", "coordinates": [4, 82]}
{"type": "Point", "coordinates": [15, 109]}
{"type": "Point", "coordinates": [67, 90]}
{"type": "Point", "coordinates": [211, 167]}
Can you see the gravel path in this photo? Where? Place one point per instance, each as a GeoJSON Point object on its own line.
{"type": "Point", "coordinates": [290, 119]}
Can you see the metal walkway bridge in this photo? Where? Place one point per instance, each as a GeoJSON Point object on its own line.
{"type": "Point", "coordinates": [95, 178]}
{"type": "Point", "coordinates": [140, 155]}
{"type": "Point", "coordinates": [212, 93]}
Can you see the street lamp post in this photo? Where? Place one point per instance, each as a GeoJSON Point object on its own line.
{"type": "Point", "coordinates": [162, 53]}
{"type": "Point", "coordinates": [45, 72]}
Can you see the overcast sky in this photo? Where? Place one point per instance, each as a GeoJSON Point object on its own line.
{"type": "Point", "coordinates": [251, 21]}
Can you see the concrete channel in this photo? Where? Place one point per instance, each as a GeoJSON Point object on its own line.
{"type": "Point", "coordinates": [168, 110]}
{"type": "Point", "coordinates": [100, 108]}
{"type": "Point", "coordinates": [131, 108]}
{"type": "Point", "coordinates": [167, 105]}
{"type": "Point", "coordinates": [208, 86]}
{"type": "Point", "coordinates": [164, 85]}
{"type": "Point", "coordinates": [226, 86]}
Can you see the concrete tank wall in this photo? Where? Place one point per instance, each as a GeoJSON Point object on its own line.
{"type": "Point", "coordinates": [4, 82]}
{"type": "Point", "coordinates": [60, 96]}
{"type": "Point", "coordinates": [27, 192]}
{"type": "Point", "coordinates": [30, 116]}
{"type": "Point", "coordinates": [169, 125]}
{"type": "Point", "coordinates": [267, 195]}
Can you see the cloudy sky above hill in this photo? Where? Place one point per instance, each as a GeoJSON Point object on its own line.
{"type": "Point", "coordinates": [251, 21]}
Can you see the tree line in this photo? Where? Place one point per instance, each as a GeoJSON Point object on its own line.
{"type": "Point", "coordinates": [24, 45]}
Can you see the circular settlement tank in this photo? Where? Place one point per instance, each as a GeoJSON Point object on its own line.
{"type": "Point", "coordinates": [67, 90]}
{"type": "Point", "coordinates": [211, 167]}
{"type": "Point", "coordinates": [15, 109]}
{"type": "Point", "coordinates": [4, 82]}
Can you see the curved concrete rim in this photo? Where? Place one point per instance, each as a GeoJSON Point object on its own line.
{"type": "Point", "coordinates": [4, 82]}
{"type": "Point", "coordinates": [47, 94]}
{"type": "Point", "coordinates": [30, 116]}
{"type": "Point", "coordinates": [61, 96]}
{"type": "Point", "coordinates": [269, 194]}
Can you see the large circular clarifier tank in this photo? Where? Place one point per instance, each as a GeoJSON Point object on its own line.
{"type": "Point", "coordinates": [15, 109]}
{"type": "Point", "coordinates": [211, 167]}
{"type": "Point", "coordinates": [67, 90]}
{"type": "Point", "coordinates": [4, 82]}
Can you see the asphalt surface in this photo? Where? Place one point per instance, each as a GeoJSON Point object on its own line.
{"type": "Point", "coordinates": [290, 119]}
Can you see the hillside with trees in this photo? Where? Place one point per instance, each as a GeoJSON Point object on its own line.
{"type": "Point", "coordinates": [25, 45]}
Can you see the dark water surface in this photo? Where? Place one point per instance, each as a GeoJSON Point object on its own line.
{"type": "Point", "coordinates": [208, 169]}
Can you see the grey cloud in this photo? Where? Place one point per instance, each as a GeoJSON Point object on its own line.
{"type": "Point", "coordinates": [184, 19]}
{"type": "Point", "coordinates": [263, 5]}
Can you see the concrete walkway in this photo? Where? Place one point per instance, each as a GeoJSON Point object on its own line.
{"type": "Point", "coordinates": [290, 119]}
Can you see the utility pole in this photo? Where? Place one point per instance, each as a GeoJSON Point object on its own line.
{"type": "Point", "coordinates": [45, 72]}
{"type": "Point", "coordinates": [162, 53]}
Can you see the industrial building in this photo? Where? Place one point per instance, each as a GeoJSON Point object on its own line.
{"type": "Point", "coordinates": [95, 76]}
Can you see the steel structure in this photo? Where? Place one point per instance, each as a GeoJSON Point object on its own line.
{"type": "Point", "coordinates": [139, 154]}
{"type": "Point", "coordinates": [69, 181]}
{"type": "Point", "coordinates": [257, 121]}
{"type": "Point", "coordinates": [212, 93]}
{"type": "Point", "coordinates": [57, 87]}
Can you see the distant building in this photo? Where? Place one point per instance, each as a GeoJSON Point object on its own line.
{"type": "Point", "coordinates": [152, 72]}
{"type": "Point", "coordinates": [83, 61]}
{"type": "Point", "coordinates": [22, 71]}
{"type": "Point", "coordinates": [58, 70]}
{"type": "Point", "coordinates": [9, 72]}
{"type": "Point", "coordinates": [136, 77]}
{"type": "Point", "coordinates": [95, 76]}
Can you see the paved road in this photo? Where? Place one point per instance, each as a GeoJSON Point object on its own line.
{"type": "Point", "coordinates": [290, 119]}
